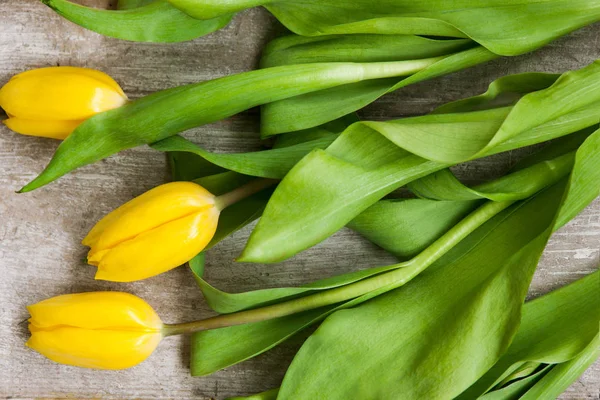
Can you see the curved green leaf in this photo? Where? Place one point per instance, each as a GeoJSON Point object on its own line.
{"type": "Point", "coordinates": [168, 112]}
{"type": "Point", "coordinates": [274, 163]}
{"type": "Point", "coordinates": [236, 344]}
{"type": "Point", "coordinates": [294, 49]}
{"type": "Point", "coordinates": [548, 381]}
{"type": "Point", "coordinates": [406, 227]}
{"type": "Point", "coordinates": [555, 329]}
{"type": "Point", "coordinates": [563, 375]}
{"type": "Point", "coordinates": [268, 395]}
{"type": "Point", "coordinates": [445, 330]}
{"type": "Point", "coordinates": [434, 337]}
{"type": "Point", "coordinates": [506, 27]}
{"type": "Point", "coordinates": [309, 110]}
{"type": "Point", "coordinates": [140, 21]}
{"type": "Point", "coordinates": [128, 4]}
{"type": "Point", "coordinates": [188, 163]}
{"type": "Point", "coordinates": [517, 388]}
{"type": "Point", "coordinates": [443, 185]}
{"type": "Point", "coordinates": [361, 165]}
{"type": "Point", "coordinates": [587, 161]}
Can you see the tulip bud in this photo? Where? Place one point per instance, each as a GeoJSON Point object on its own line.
{"type": "Point", "coordinates": [52, 102]}
{"type": "Point", "coordinates": [102, 330]}
{"type": "Point", "coordinates": [153, 233]}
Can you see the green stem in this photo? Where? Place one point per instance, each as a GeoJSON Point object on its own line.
{"type": "Point", "coordinates": [242, 192]}
{"type": "Point", "coordinates": [402, 273]}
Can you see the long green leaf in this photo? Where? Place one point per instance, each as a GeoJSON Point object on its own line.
{"type": "Point", "coordinates": [446, 325]}
{"type": "Point", "coordinates": [129, 4]}
{"type": "Point", "coordinates": [555, 329]}
{"type": "Point", "coordinates": [168, 112]}
{"type": "Point", "coordinates": [518, 25]}
{"type": "Point", "coordinates": [210, 354]}
{"type": "Point", "coordinates": [273, 163]}
{"type": "Point", "coordinates": [189, 161]}
{"type": "Point", "coordinates": [500, 25]}
{"type": "Point", "coordinates": [516, 389]}
{"type": "Point", "coordinates": [405, 227]}
{"type": "Point", "coordinates": [434, 337]}
{"type": "Point", "coordinates": [268, 395]}
{"type": "Point", "coordinates": [563, 375]}
{"type": "Point", "coordinates": [141, 21]}
{"type": "Point", "coordinates": [213, 350]}
{"type": "Point", "coordinates": [311, 109]}
{"type": "Point", "coordinates": [361, 166]}
{"type": "Point", "coordinates": [294, 49]}
{"type": "Point", "coordinates": [548, 381]}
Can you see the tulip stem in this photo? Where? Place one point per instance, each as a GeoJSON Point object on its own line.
{"type": "Point", "coordinates": [398, 276]}
{"type": "Point", "coordinates": [244, 191]}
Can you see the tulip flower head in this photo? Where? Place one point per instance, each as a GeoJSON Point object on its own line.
{"type": "Point", "coordinates": [153, 233]}
{"type": "Point", "coordinates": [52, 102]}
{"type": "Point", "coordinates": [102, 330]}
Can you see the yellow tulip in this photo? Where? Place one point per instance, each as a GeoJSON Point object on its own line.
{"type": "Point", "coordinates": [153, 233]}
{"type": "Point", "coordinates": [52, 102]}
{"type": "Point", "coordinates": [102, 330]}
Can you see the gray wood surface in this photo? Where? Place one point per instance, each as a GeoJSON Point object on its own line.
{"type": "Point", "coordinates": [40, 254]}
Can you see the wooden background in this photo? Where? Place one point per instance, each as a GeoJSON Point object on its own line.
{"type": "Point", "coordinates": [40, 254]}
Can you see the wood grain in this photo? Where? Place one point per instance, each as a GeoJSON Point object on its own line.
{"type": "Point", "coordinates": [40, 254]}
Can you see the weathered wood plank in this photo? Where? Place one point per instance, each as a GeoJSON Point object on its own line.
{"type": "Point", "coordinates": [40, 254]}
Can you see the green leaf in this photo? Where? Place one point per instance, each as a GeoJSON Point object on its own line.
{"type": "Point", "coordinates": [516, 389]}
{"type": "Point", "coordinates": [291, 114]}
{"type": "Point", "coordinates": [268, 395]}
{"type": "Point", "coordinates": [555, 329]}
{"type": "Point", "coordinates": [311, 109]}
{"type": "Point", "coordinates": [294, 49]}
{"type": "Point", "coordinates": [506, 27]}
{"type": "Point", "coordinates": [407, 227]}
{"type": "Point", "coordinates": [238, 343]}
{"type": "Point", "coordinates": [168, 112]}
{"type": "Point", "coordinates": [436, 336]}
{"type": "Point", "coordinates": [502, 92]}
{"type": "Point", "coordinates": [443, 185]}
{"type": "Point", "coordinates": [563, 375]}
{"type": "Point", "coordinates": [140, 21]}
{"type": "Point", "coordinates": [362, 165]}
{"type": "Point", "coordinates": [274, 163]}
{"type": "Point", "coordinates": [433, 337]}
{"type": "Point", "coordinates": [585, 187]}
{"type": "Point", "coordinates": [187, 160]}
{"type": "Point", "coordinates": [549, 380]}
{"type": "Point", "coordinates": [128, 4]}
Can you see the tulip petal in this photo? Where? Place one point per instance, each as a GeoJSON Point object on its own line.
{"type": "Point", "coordinates": [60, 93]}
{"type": "Point", "coordinates": [95, 310]}
{"type": "Point", "coordinates": [156, 207]}
{"type": "Point", "coordinates": [100, 349]}
{"type": "Point", "coordinates": [49, 129]}
{"type": "Point", "coordinates": [159, 250]}
{"type": "Point", "coordinates": [92, 73]}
